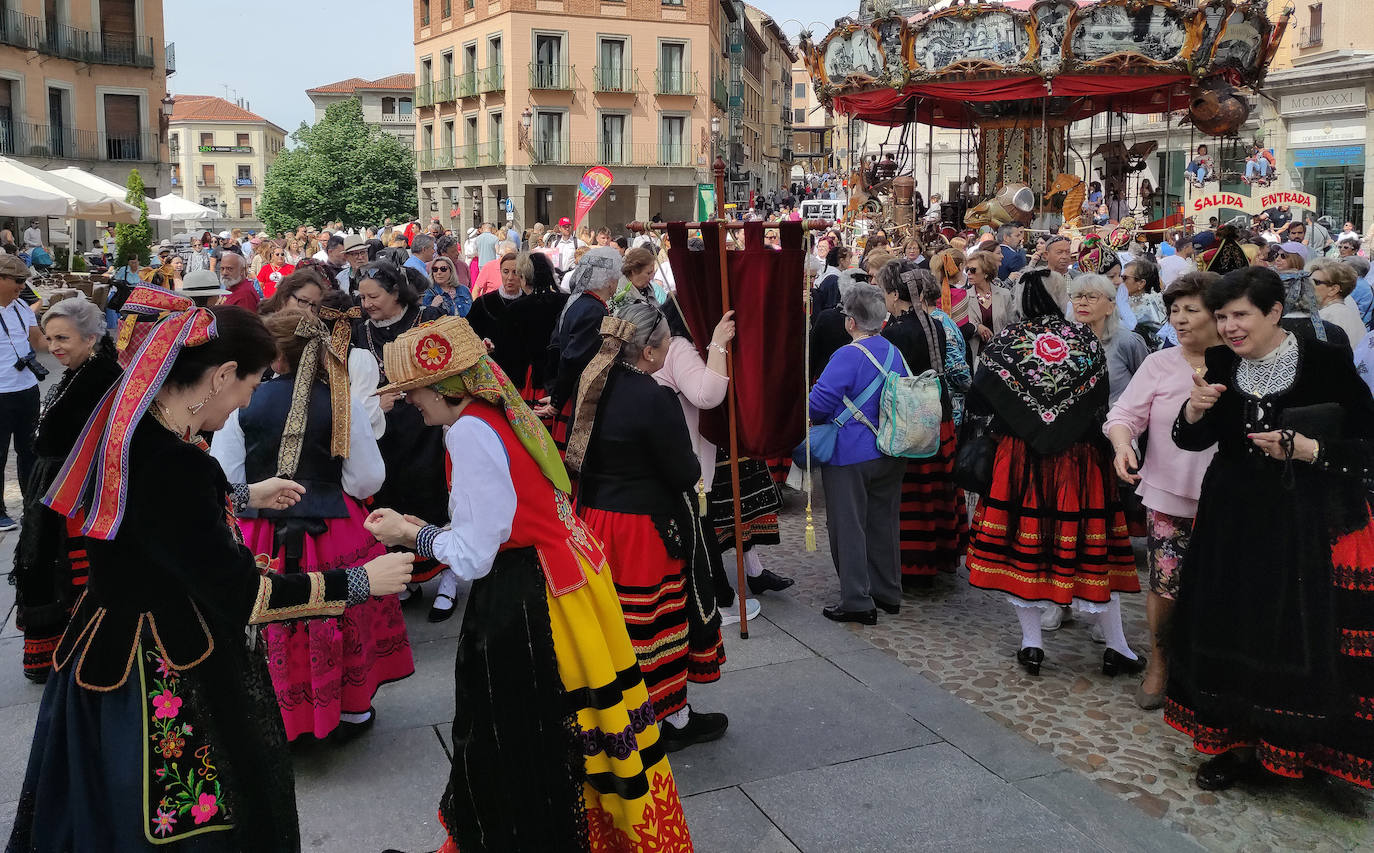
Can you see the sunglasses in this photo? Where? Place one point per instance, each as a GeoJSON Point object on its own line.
{"type": "Point", "coordinates": [443, 268]}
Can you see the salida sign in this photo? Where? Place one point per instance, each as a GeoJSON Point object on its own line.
{"type": "Point", "coordinates": [1205, 205]}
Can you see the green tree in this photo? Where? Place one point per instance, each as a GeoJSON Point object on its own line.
{"type": "Point", "coordinates": [341, 168]}
{"type": "Point", "coordinates": [136, 238]}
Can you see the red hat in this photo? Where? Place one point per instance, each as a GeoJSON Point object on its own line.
{"type": "Point", "coordinates": [564, 221]}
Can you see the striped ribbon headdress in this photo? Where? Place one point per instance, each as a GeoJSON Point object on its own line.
{"type": "Point", "coordinates": [95, 472]}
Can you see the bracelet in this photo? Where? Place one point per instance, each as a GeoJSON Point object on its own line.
{"type": "Point", "coordinates": [424, 541]}
{"type": "Point", "coordinates": [1316, 451]}
{"type": "Point", "coordinates": [717, 347]}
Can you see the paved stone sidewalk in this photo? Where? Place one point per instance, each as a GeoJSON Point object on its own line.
{"type": "Point", "coordinates": [834, 746]}
{"type": "Point", "coordinates": [965, 640]}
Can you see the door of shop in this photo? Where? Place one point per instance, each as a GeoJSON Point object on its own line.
{"type": "Point", "coordinates": [1336, 176]}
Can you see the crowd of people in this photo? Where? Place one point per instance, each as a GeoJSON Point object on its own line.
{"type": "Point", "coordinates": [393, 414]}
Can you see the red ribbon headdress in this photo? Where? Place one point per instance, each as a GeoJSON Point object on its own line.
{"type": "Point", "coordinates": [95, 472]}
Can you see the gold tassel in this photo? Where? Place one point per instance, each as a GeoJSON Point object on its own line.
{"type": "Point", "coordinates": [701, 498]}
{"type": "Point", "coordinates": [810, 534]}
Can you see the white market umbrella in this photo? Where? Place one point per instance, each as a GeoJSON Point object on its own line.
{"type": "Point", "coordinates": [173, 207]}
{"type": "Point", "coordinates": [24, 201]}
{"type": "Point", "coordinates": [83, 202]}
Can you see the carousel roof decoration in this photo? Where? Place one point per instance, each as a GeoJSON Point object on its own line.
{"type": "Point", "coordinates": [976, 61]}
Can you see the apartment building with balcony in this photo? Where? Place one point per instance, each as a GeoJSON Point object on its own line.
{"type": "Point", "coordinates": [515, 99]}
{"type": "Point", "coordinates": [83, 83]}
{"type": "Point", "coordinates": [388, 103]}
{"type": "Point", "coordinates": [769, 57]}
{"type": "Point", "coordinates": [220, 153]}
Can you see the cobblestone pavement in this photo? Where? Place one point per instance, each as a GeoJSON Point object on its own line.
{"type": "Point", "coordinates": [965, 640]}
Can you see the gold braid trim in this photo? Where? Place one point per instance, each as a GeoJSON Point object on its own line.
{"type": "Point", "coordinates": [315, 604]}
{"type": "Point", "coordinates": [335, 360]}
{"type": "Point", "coordinates": [614, 333]}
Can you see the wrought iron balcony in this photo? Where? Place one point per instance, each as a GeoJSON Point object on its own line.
{"type": "Point", "coordinates": [23, 139]}
{"type": "Point", "coordinates": [491, 79]}
{"type": "Point", "coordinates": [615, 78]}
{"type": "Point", "coordinates": [675, 82]}
{"type": "Point", "coordinates": [547, 76]}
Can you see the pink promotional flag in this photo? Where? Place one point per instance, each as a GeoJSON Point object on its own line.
{"type": "Point", "coordinates": [593, 184]}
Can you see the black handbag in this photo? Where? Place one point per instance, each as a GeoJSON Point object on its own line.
{"type": "Point", "coordinates": [973, 455]}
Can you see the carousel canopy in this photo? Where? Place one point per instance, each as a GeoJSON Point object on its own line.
{"type": "Point", "coordinates": [973, 63]}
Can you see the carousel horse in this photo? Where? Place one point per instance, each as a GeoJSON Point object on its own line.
{"type": "Point", "coordinates": [1076, 190]}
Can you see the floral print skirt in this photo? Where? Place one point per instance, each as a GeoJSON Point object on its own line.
{"type": "Point", "coordinates": [1166, 541]}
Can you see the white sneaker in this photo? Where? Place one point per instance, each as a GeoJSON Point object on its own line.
{"type": "Point", "coordinates": [730, 615]}
{"type": "Point", "coordinates": [1095, 634]}
{"type": "Point", "coordinates": [1051, 618]}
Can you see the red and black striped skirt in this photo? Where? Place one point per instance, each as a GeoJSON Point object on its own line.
{"type": "Point", "coordinates": [933, 520]}
{"type": "Point", "coordinates": [1051, 528]}
{"type": "Point", "coordinates": [653, 595]}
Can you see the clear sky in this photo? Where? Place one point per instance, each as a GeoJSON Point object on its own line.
{"type": "Point", "coordinates": [269, 53]}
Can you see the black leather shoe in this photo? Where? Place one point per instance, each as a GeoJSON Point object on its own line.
{"type": "Point", "coordinates": [863, 617]}
{"type": "Point", "coordinates": [350, 731]}
{"type": "Point", "coordinates": [700, 728]}
{"type": "Point", "coordinates": [1220, 773]}
{"type": "Point", "coordinates": [768, 581]}
{"type": "Point", "coordinates": [1114, 663]}
{"type": "Point", "coordinates": [1030, 659]}
{"type": "Point", "coordinates": [889, 609]}
{"type": "Point", "coordinates": [417, 595]}
{"type": "Point", "coordinates": [440, 614]}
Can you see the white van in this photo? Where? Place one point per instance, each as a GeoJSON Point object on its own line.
{"type": "Point", "coordinates": [828, 209]}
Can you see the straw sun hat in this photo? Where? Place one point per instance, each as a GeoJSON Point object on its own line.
{"type": "Point", "coordinates": [426, 354]}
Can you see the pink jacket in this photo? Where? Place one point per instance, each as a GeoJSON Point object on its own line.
{"type": "Point", "coordinates": [698, 387]}
{"type": "Point", "coordinates": [1170, 478]}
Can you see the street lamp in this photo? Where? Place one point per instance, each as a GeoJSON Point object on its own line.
{"type": "Point", "coordinates": [526, 119]}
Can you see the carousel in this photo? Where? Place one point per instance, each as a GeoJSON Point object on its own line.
{"type": "Point", "coordinates": [1013, 76]}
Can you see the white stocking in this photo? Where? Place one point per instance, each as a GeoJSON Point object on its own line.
{"type": "Point", "coordinates": [1109, 620]}
{"type": "Point", "coordinates": [753, 566]}
{"type": "Point", "coordinates": [1030, 626]}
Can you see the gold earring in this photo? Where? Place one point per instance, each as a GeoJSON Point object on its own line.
{"type": "Point", "coordinates": [195, 409]}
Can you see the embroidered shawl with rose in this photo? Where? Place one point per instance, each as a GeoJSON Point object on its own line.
{"type": "Point", "coordinates": [1046, 378]}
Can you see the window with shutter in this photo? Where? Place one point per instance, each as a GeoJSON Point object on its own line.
{"type": "Point", "coordinates": [122, 128]}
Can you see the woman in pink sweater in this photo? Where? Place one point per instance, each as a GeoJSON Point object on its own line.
{"type": "Point", "coordinates": [1171, 479]}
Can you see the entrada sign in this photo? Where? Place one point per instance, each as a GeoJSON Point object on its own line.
{"type": "Point", "coordinates": [1207, 204]}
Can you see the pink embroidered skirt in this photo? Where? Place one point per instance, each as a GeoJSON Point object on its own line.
{"type": "Point", "coordinates": [322, 667]}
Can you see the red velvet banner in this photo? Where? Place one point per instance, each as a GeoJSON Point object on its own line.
{"type": "Point", "coordinates": [769, 349]}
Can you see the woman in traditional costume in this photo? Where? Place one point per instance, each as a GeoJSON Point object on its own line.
{"type": "Point", "coordinates": [50, 563]}
{"type": "Point", "coordinates": [527, 326]}
{"type": "Point", "coordinates": [933, 519]}
{"type": "Point", "coordinates": [413, 452]}
{"type": "Point", "coordinates": [325, 671]}
{"type": "Point", "coordinates": [637, 473]}
{"type": "Point", "coordinates": [554, 742]}
{"type": "Point", "coordinates": [158, 724]}
{"type": "Point", "coordinates": [1271, 661]}
{"type": "Point", "coordinates": [1050, 531]}
{"type": "Point", "coordinates": [577, 337]}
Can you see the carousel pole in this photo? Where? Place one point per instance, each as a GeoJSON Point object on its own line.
{"type": "Point", "coordinates": [930, 158]}
{"type": "Point", "coordinates": [731, 419]}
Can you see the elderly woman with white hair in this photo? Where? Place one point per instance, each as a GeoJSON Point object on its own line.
{"type": "Point", "coordinates": [633, 451]}
{"type": "Point", "coordinates": [863, 488]}
{"type": "Point", "coordinates": [577, 337]}
{"type": "Point", "coordinates": [1334, 281]}
{"type": "Point", "coordinates": [1093, 298]}
{"type": "Point", "coordinates": [50, 562]}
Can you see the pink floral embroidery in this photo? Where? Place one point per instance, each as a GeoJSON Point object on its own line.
{"type": "Point", "coordinates": [165, 822]}
{"type": "Point", "coordinates": [167, 705]}
{"type": "Point", "coordinates": [1050, 348]}
{"type": "Point", "coordinates": [205, 809]}
{"type": "Point", "coordinates": [164, 669]}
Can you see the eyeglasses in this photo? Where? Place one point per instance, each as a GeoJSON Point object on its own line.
{"type": "Point", "coordinates": [1321, 281]}
{"type": "Point", "coordinates": [1090, 296]}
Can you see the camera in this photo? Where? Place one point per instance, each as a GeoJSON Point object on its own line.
{"type": "Point", "coordinates": [30, 362]}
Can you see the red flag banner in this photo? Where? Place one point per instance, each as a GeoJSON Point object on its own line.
{"type": "Point", "coordinates": [594, 183]}
{"type": "Point", "coordinates": [769, 348]}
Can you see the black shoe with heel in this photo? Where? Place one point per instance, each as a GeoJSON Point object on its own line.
{"type": "Point", "coordinates": [768, 581]}
{"type": "Point", "coordinates": [1030, 659]}
{"type": "Point", "coordinates": [1225, 770]}
{"type": "Point", "coordinates": [1114, 663]}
